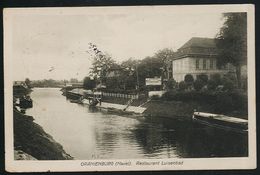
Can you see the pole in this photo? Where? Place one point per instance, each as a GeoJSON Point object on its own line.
{"type": "Point", "coordinates": [137, 76]}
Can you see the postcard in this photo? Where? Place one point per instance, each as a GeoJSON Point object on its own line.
{"type": "Point", "coordinates": [130, 88]}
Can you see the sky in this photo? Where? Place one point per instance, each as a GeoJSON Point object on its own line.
{"type": "Point", "coordinates": [57, 39]}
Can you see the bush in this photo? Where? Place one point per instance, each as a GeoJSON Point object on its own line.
{"type": "Point", "coordinates": [182, 86]}
{"type": "Point", "coordinates": [198, 84]}
{"type": "Point", "coordinates": [171, 84]}
{"type": "Point", "coordinates": [155, 97]}
{"type": "Point", "coordinates": [203, 77]}
{"type": "Point", "coordinates": [216, 78]}
{"type": "Point", "coordinates": [189, 79]}
{"type": "Point", "coordinates": [244, 83]}
{"type": "Point", "coordinates": [228, 85]}
{"type": "Point", "coordinates": [221, 102]}
{"type": "Point", "coordinates": [212, 85]}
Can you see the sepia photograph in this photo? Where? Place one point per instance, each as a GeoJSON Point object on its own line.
{"type": "Point", "coordinates": [129, 88]}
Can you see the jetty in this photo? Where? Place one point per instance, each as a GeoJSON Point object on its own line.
{"type": "Point", "coordinates": [90, 98]}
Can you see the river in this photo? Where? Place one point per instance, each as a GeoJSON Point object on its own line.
{"type": "Point", "coordinates": [93, 134]}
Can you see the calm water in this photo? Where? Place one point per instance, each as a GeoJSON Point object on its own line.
{"type": "Point", "coordinates": [91, 134]}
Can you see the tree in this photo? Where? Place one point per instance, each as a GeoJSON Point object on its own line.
{"type": "Point", "coordinates": [74, 80]}
{"type": "Point", "coordinates": [28, 82]}
{"type": "Point", "coordinates": [102, 62]}
{"type": "Point", "coordinates": [149, 67]}
{"type": "Point", "coordinates": [231, 42]}
{"type": "Point", "coordinates": [165, 56]}
{"type": "Point", "coordinates": [130, 73]}
{"type": "Point", "coordinates": [88, 83]}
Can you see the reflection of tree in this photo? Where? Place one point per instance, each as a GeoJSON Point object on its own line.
{"type": "Point", "coordinates": [189, 140]}
{"type": "Point", "coordinates": [210, 142]}
{"type": "Point", "coordinates": [153, 137]}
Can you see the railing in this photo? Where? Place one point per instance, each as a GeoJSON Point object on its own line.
{"type": "Point", "coordinates": [119, 95]}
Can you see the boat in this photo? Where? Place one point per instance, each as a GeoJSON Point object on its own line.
{"type": "Point", "coordinates": [221, 121]}
{"type": "Point", "coordinates": [91, 101]}
{"type": "Point", "coordinates": [76, 101]}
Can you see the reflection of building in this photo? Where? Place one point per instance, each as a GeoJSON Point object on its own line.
{"type": "Point", "coordinates": [195, 57]}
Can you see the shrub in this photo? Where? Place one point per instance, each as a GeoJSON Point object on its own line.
{"type": "Point", "coordinates": [212, 85]}
{"type": "Point", "coordinates": [216, 78]}
{"type": "Point", "coordinates": [244, 83]}
{"type": "Point", "coordinates": [171, 84]}
{"type": "Point", "coordinates": [223, 103]}
{"type": "Point", "coordinates": [203, 77]}
{"type": "Point", "coordinates": [198, 84]}
{"type": "Point", "coordinates": [229, 83]}
{"type": "Point", "coordinates": [155, 97]}
{"type": "Point", "coordinates": [182, 86]}
{"type": "Point", "coordinates": [189, 79]}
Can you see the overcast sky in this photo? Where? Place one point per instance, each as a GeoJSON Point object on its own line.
{"type": "Point", "coordinates": [42, 39]}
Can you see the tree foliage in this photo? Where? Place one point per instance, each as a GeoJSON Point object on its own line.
{"type": "Point", "coordinates": [28, 82]}
{"type": "Point", "coordinates": [165, 56]}
{"type": "Point", "coordinates": [101, 62]}
{"type": "Point", "coordinates": [232, 42]}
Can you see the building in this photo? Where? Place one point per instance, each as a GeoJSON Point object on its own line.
{"type": "Point", "coordinates": [195, 57]}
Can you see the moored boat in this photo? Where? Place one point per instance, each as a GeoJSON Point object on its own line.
{"type": "Point", "coordinates": [221, 121]}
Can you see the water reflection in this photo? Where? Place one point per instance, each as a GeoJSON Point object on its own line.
{"type": "Point", "coordinates": [90, 133]}
{"type": "Point", "coordinates": [189, 140]}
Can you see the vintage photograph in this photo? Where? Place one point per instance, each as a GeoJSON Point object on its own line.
{"type": "Point", "coordinates": [156, 84]}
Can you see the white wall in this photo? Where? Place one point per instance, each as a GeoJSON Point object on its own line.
{"type": "Point", "coordinates": [187, 65]}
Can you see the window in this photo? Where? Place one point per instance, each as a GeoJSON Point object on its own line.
{"type": "Point", "coordinates": [211, 63]}
{"type": "Point", "coordinates": [197, 64]}
{"type": "Point", "coordinates": [204, 63]}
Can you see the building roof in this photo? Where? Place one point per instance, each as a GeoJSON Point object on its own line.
{"type": "Point", "coordinates": [200, 42]}
{"type": "Point", "coordinates": [197, 47]}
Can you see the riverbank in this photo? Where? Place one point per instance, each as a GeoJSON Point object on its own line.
{"type": "Point", "coordinates": [181, 105]}
{"type": "Point", "coordinates": [176, 109]}
{"type": "Point", "coordinates": [183, 110]}
{"type": "Point", "coordinates": [32, 142]}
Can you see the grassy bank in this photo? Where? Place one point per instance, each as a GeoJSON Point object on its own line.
{"type": "Point", "coordinates": [182, 104]}
{"type": "Point", "coordinates": [31, 139]}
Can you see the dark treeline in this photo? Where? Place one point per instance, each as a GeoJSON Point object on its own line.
{"type": "Point", "coordinates": [53, 83]}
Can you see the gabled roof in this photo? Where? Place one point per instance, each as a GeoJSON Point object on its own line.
{"type": "Point", "coordinates": [200, 42]}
